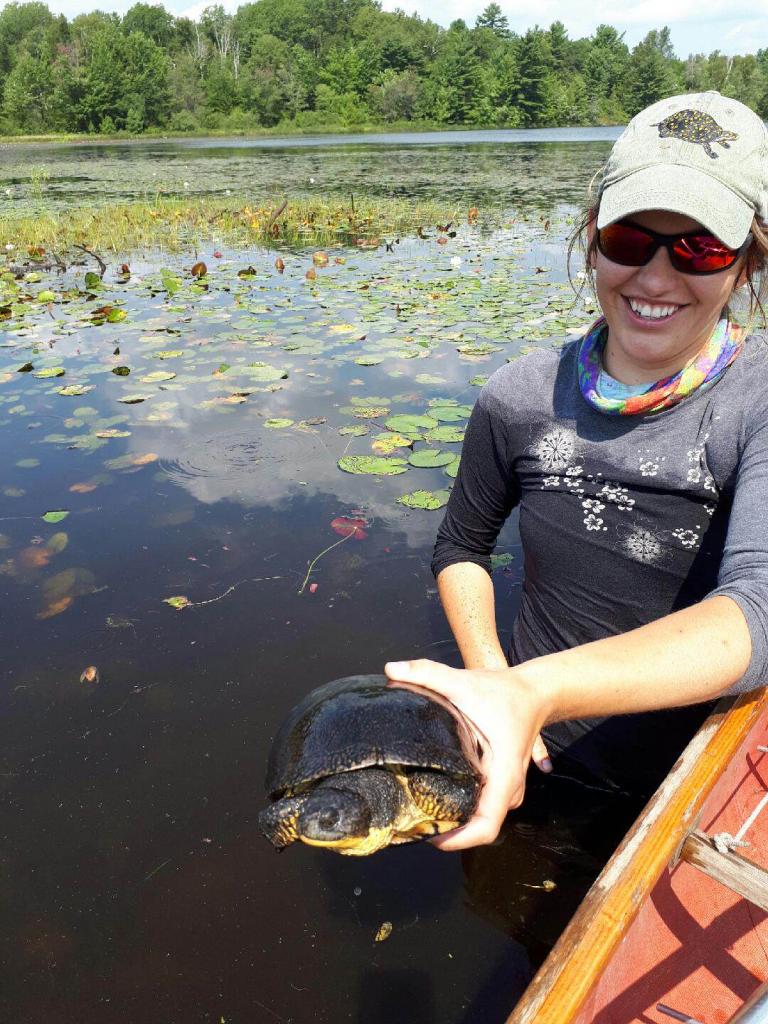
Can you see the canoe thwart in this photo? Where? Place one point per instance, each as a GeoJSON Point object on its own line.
{"type": "Point", "coordinates": [731, 869]}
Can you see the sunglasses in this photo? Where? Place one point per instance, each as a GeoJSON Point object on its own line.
{"type": "Point", "coordinates": [692, 252]}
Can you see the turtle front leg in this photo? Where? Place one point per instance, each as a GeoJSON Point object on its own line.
{"type": "Point", "coordinates": [279, 821]}
{"type": "Point", "coordinates": [709, 151]}
{"type": "Point", "coordinates": [447, 801]}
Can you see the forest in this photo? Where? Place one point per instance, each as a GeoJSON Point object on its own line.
{"type": "Point", "coordinates": [304, 65]}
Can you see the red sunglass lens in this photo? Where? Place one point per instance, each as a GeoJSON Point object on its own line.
{"type": "Point", "coordinates": [625, 244]}
{"type": "Point", "coordinates": [702, 254]}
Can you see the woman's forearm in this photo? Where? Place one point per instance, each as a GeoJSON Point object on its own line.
{"type": "Point", "coordinates": [684, 658]}
{"type": "Point", "coordinates": [466, 593]}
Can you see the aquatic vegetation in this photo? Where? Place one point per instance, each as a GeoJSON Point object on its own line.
{"type": "Point", "coordinates": [176, 224]}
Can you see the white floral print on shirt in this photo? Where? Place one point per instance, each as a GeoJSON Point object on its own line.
{"type": "Point", "coordinates": [644, 546]}
{"type": "Point", "coordinates": [555, 449]}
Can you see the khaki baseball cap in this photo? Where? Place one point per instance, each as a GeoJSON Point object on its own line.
{"type": "Point", "coordinates": [702, 155]}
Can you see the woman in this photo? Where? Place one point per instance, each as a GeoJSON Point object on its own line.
{"type": "Point", "coordinates": [638, 458]}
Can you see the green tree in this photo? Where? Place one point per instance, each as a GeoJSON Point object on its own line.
{"type": "Point", "coordinates": [153, 21]}
{"type": "Point", "coordinates": [396, 95]}
{"type": "Point", "coordinates": [535, 97]}
{"type": "Point", "coordinates": [28, 95]}
{"type": "Point", "coordinates": [494, 20]}
{"type": "Point", "coordinates": [650, 74]}
{"type": "Point", "coordinates": [19, 24]}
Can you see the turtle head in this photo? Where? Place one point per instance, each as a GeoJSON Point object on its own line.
{"type": "Point", "coordinates": [335, 817]}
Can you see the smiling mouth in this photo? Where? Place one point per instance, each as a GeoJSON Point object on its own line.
{"type": "Point", "coordinates": [652, 312]}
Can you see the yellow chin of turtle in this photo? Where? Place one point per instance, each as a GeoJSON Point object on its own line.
{"type": "Point", "coordinates": [356, 846]}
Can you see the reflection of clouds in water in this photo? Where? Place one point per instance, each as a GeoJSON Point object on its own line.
{"type": "Point", "coordinates": [260, 468]}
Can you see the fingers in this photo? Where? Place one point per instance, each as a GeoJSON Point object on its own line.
{"type": "Point", "coordinates": [430, 674]}
{"type": "Point", "coordinates": [540, 755]}
{"type": "Point", "coordinates": [503, 790]}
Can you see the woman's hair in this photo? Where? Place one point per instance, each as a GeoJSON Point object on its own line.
{"type": "Point", "coordinates": [756, 266]}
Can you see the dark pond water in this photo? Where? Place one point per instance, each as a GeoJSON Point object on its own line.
{"type": "Point", "coordinates": [135, 885]}
{"type": "Point", "coordinates": [503, 168]}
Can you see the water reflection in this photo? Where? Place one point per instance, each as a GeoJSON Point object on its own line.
{"type": "Point", "coordinates": [542, 168]}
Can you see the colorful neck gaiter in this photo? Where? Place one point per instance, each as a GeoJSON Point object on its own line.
{"type": "Point", "coordinates": [700, 373]}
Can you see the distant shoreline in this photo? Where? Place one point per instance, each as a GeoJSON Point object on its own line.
{"type": "Point", "coordinates": [399, 128]}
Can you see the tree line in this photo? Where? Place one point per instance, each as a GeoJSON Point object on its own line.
{"type": "Point", "coordinates": [324, 63]}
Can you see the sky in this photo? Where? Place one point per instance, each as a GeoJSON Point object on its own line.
{"type": "Point", "coordinates": [697, 26]}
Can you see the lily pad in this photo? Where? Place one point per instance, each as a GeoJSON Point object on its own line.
{"type": "Point", "coordinates": [501, 561]}
{"type": "Point", "coordinates": [445, 435]}
{"type": "Point", "coordinates": [157, 376]}
{"type": "Point", "coordinates": [55, 516]}
{"type": "Point", "coordinates": [169, 353]}
{"type": "Point", "coordinates": [431, 458]}
{"type": "Point", "coordinates": [452, 468]}
{"type": "Point", "coordinates": [431, 500]}
{"type": "Point", "coordinates": [372, 465]}
{"type": "Point", "coordinates": [72, 390]}
{"type": "Point", "coordinates": [412, 426]}
{"type": "Point", "coordinates": [264, 372]}
{"type": "Point", "coordinates": [451, 414]}
{"type": "Point", "coordinates": [50, 371]}
{"type": "Point", "coordinates": [385, 443]}
{"type": "Point", "coordinates": [278, 423]}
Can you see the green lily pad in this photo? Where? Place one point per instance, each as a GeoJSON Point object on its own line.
{"type": "Point", "coordinates": [355, 430]}
{"type": "Point", "coordinates": [56, 515]}
{"type": "Point", "coordinates": [368, 360]}
{"type": "Point", "coordinates": [133, 399]}
{"type": "Point", "coordinates": [424, 499]}
{"type": "Point", "coordinates": [445, 435]}
{"type": "Point", "coordinates": [373, 465]}
{"type": "Point", "coordinates": [157, 376]}
{"type": "Point", "coordinates": [452, 468]}
{"type": "Point", "coordinates": [366, 412]}
{"type": "Point", "coordinates": [169, 353]}
{"type": "Point", "coordinates": [92, 280]}
{"type": "Point", "coordinates": [431, 458]}
{"type": "Point", "coordinates": [502, 560]}
{"type": "Point", "coordinates": [264, 372]}
{"type": "Point", "coordinates": [478, 381]}
{"type": "Point", "coordinates": [451, 413]}
{"type": "Point", "coordinates": [50, 371]}
{"type": "Point", "coordinates": [116, 316]}
{"type": "Point", "coordinates": [278, 423]}
{"type": "Point", "coordinates": [71, 390]}
{"type": "Point", "coordinates": [411, 426]}
{"type": "Point", "coordinates": [46, 296]}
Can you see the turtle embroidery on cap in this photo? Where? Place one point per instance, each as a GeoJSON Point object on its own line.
{"type": "Point", "coordinates": [695, 126]}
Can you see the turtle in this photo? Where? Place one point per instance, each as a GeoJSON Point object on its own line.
{"type": "Point", "coordinates": [357, 766]}
{"type": "Point", "coordinates": [695, 126]}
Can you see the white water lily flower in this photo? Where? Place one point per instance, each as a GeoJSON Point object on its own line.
{"type": "Point", "coordinates": [9, 246]}
{"type": "Point", "coordinates": [455, 261]}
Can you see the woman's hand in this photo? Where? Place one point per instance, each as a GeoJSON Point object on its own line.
{"type": "Point", "coordinates": [506, 715]}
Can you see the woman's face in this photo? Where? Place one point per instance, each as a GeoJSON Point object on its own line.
{"type": "Point", "coordinates": [643, 348]}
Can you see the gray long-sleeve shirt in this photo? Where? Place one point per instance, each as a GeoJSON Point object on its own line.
{"type": "Point", "coordinates": [623, 519]}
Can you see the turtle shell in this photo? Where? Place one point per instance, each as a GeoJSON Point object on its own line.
{"type": "Point", "coordinates": [358, 722]}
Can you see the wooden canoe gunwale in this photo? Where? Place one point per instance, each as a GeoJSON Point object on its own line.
{"type": "Point", "coordinates": [579, 957]}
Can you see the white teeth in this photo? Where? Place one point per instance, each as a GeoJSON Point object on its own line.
{"type": "Point", "coordinates": [652, 312]}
